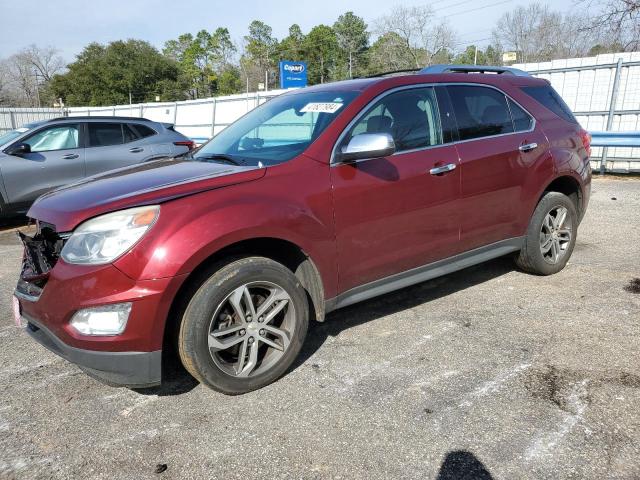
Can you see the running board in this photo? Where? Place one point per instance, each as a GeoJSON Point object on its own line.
{"type": "Point", "coordinates": [424, 273]}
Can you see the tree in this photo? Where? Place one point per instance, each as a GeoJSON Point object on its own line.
{"type": "Point", "coordinates": [321, 51]}
{"type": "Point", "coordinates": [202, 59]}
{"type": "Point", "coordinates": [540, 34]}
{"type": "Point", "coordinates": [112, 74]}
{"type": "Point", "coordinates": [28, 72]}
{"type": "Point", "coordinates": [389, 52]}
{"type": "Point", "coordinates": [617, 25]}
{"type": "Point", "coordinates": [416, 33]}
{"type": "Point", "coordinates": [292, 47]}
{"type": "Point", "coordinates": [353, 39]}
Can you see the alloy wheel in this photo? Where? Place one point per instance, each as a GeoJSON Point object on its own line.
{"type": "Point", "coordinates": [251, 329]}
{"type": "Point", "coordinates": [555, 234]}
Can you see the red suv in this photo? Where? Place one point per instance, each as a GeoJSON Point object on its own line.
{"type": "Point", "coordinates": [318, 199]}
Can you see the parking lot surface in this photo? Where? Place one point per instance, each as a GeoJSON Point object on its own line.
{"type": "Point", "coordinates": [488, 372]}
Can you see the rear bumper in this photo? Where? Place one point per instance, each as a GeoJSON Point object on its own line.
{"type": "Point", "coordinates": [127, 369]}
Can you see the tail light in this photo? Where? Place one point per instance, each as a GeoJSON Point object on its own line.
{"type": "Point", "coordinates": [586, 141]}
{"type": "Point", "coordinates": [190, 144]}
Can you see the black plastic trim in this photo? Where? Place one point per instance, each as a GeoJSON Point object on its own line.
{"type": "Point", "coordinates": [424, 273]}
{"type": "Point", "coordinates": [127, 369]}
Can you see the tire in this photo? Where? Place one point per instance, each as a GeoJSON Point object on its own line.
{"type": "Point", "coordinates": [244, 353]}
{"type": "Point", "coordinates": [549, 240]}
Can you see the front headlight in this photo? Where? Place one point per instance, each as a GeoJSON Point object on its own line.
{"type": "Point", "coordinates": [103, 239]}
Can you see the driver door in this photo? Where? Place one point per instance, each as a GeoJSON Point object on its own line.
{"type": "Point", "coordinates": [56, 158]}
{"type": "Point", "coordinates": [396, 213]}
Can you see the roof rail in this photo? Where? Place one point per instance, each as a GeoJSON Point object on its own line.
{"type": "Point", "coordinates": [444, 68]}
{"type": "Point", "coordinates": [393, 72]}
{"type": "Point", "coordinates": [97, 117]}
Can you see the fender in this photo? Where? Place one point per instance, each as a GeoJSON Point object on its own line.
{"type": "Point", "coordinates": [192, 230]}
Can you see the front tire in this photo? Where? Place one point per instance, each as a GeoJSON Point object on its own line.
{"type": "Point", "coordinates": [550, 237]}
{"type": "Point", "coordinates": [244, 326]}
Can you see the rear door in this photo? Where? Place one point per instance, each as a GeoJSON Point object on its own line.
{"type": "Point", "coordinates": [495, 157]}
{"type": "Point", "coordinates": [113, 145]}
{"type": "Point", "coordinates": [391, 213]}
{"type": "Point", "coordinates": [57, 158]}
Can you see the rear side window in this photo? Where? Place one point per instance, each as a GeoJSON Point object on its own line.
{"type": "Point", "coordinates": [548, 97]}
{"type": "Point", "coordinates": [105, 134]}
{"type": "Point", "coordinates": [480, 111]}
{"type": "Point", "coordinates": [142, 130]}
{"type": "Point", "coordinates": [130, 135]}
{"type": "Point", "coordinates": [522, 121]}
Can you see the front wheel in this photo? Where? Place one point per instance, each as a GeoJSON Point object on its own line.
{"type": "Point", "coordinates": [550, 237]}
{"type": "Point", "coordinates": [244, 326]}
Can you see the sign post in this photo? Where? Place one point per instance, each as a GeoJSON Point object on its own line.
{"type": "Point", "coordinates": [293, 74]}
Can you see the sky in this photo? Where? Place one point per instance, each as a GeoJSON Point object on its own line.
{"type": "Point", "coordinates": [69, 25]}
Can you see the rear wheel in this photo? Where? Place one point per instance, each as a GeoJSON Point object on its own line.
{"type": "Point", "coordinates": [551, 235]}
{"type": "Point", "coordinates": [244, 326]}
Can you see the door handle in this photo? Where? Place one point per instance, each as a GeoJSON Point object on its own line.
{"type": "Point", "coordinates": [136, 149]}
{"type": "Point", "coordinates": [70, 156]}
{"type": "Point", "coordinates": [528, 147]}
{"type": "Point", "coordinates": [443, 169]}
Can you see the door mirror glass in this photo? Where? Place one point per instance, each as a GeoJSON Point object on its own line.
{"type": "Point", "coordinates": [368, 145]}
{"type": "Point", "coordinates": [19, 149]}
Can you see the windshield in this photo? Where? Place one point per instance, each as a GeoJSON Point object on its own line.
{"type": "Point", "coordinates": [12, 135]}
{"type": "Point", "coordinates": [278, 130]}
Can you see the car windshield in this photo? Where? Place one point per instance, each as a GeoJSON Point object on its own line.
{"type": "Point", "coordinates": [278, 130]}
{"type": "Point", "coordinates": [12, 135]}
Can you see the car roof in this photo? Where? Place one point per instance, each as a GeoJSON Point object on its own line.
{"type": "Point", "coordinates": [85, 118]}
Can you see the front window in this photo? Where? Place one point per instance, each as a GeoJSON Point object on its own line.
{"type": "Point", "coordinates": [12, 135]}
{"type": "Point", "coordinates": [410, 116]}
{"type": "Point", "coordinates": [278, 130]}
{"type": "Point", "coordinates": [61, 137]}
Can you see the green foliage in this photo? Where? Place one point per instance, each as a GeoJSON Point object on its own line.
{"type": "Point", "coordinates": [104, 75]}
{"type": "Point", "coordinates": [201, 59]}
{"type": "Point", "coordinates": [353, 40]}
{"type": "Point", "coordinates": [321, 52]}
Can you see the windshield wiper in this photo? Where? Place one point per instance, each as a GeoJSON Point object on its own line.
{"type": "Point", "coordinates": [220, 157]}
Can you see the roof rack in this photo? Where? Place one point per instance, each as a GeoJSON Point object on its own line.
{"type": "Point", "coordinates": [444, 68]}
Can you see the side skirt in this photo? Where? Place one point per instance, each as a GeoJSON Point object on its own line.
{"type": "Point", "coordinates": [424, 273]}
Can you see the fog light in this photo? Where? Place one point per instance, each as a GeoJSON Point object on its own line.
{"type": "Point", "coordinates": [103, 320]}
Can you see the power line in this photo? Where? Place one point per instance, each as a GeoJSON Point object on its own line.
{"type": "Point", "coordinates": [479, 8]}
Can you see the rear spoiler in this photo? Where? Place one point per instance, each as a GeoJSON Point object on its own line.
{"type": "Point", "coordinates": [168, 126]}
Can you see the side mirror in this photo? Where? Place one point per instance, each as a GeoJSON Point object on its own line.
{"type": "Point", "coordinates": [368, 145]}
{"type": "Point", "coordinates": [19, 149]}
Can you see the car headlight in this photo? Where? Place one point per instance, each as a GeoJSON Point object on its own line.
{"type": "Point", "coordinates": [103, 239]}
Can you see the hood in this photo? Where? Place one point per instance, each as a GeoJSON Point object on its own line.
{"type": "Point", "coordinates": [144, 184]}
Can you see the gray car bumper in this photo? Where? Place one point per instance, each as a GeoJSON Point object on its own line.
{"type": "Point", "coordinates": [126, 369]}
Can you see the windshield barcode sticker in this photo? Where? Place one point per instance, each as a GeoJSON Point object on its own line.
{"type": "Point", "coordinates": [328, 107]}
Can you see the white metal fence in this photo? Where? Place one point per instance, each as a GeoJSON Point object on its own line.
{"type": "Point", "coordinates": [603, 91]}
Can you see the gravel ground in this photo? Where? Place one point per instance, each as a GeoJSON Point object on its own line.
{"type": "Point", "coordinates": [489, 373]}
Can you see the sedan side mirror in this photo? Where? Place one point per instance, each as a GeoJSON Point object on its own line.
{"type": "Point", "coordinates": [368, 145]}
{"type": "Point", "coordinates": [19, 149]}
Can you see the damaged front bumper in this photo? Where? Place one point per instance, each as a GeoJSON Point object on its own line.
{"type": "Point", "coordinates": [50, 292]}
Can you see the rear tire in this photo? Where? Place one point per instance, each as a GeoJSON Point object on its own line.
{"type": "Point", "coordinates": [550, 237]}
{"type": "Point", "coordinates": [244, 326]}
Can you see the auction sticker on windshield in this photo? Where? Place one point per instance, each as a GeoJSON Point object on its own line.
{"type": "Point", "coordinates": [327, 107]}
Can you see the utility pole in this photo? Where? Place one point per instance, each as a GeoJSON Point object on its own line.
{"type": "Point", "coordinates": [35, 74]}
{"type": "Point", "coordinates": [475, 58]}
{"type": "Point", "coordinates": [266, 80]}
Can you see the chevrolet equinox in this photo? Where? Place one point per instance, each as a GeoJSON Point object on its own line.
{"type": "Point", "coordinates": [319, 198]}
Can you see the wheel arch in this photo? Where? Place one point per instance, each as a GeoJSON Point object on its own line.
{"type": "Point", "coordinates": [569, 186]}
{"type": "Point", "coordinates": [282, 251]}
